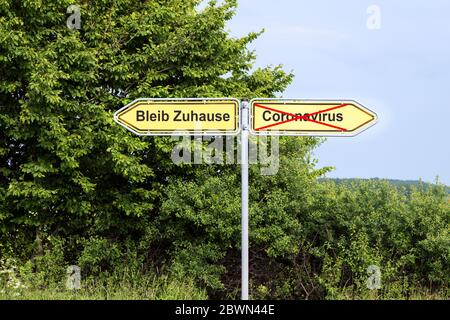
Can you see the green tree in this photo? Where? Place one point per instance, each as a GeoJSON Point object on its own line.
{"type": "Point", "coordinates": [67, 169]}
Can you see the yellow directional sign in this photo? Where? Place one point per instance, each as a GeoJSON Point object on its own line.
{"type": "Point", "coordinates": [180, 116]}
{"type": "Point", "coordinates": [309, 117]}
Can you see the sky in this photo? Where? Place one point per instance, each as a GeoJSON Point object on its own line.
{"type": "Point", "coordinates": [401, 71]}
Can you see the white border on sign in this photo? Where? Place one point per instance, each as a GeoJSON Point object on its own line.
{"type": "Point", "coordinates": [311, 134]}
{"type": "Point", "coordinates": [185, 133]}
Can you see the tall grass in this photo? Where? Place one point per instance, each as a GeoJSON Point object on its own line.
{"type": "Point", "coordinates": [126, 285]}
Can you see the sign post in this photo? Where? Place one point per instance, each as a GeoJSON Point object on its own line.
{"type": "Point", "coordinates": [244, 199]}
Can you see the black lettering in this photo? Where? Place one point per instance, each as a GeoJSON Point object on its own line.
{"type": "Point", "coordinates": [140, 115]}
{"type": "Point", "coordinates": [194, 116]}
{"type": "Point", "coordinates": [298, 117]}
{"type": "Point", "coordinates": [276, 117]}
{"type": "Point", "coordinates": [264, 115]}
{"type": "Point", "coordinates": [165, 116]}
{"type": "Point", "coordinates": [305, 117]}
{"type": "Point", "coordinates": [340, 117]}
{"type": "Point", "coordinates": [332, 117]}
{"type": "Point", "coordinates": [177, 115]}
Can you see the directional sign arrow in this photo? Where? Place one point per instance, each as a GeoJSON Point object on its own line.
{"type": "Point", "coordinates": [180, 116]}
{"type": "Point", "coordinates": [309, 117]}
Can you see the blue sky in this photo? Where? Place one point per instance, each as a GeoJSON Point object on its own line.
{"type": "Point", "coordinates": [401, 71]}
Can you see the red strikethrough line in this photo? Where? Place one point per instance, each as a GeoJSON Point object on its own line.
{"type": "Point", "coordinates": [304, 117]}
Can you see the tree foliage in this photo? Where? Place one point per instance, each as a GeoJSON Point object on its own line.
{"type": "Point", "coordinates": [66, 167]}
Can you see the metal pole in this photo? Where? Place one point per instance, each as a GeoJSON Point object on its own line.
{"type": "Point", "coordinates": [244, 198]}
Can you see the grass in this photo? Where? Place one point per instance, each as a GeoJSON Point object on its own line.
{"type": "Point", "coordinates": [130, 284]}
{"type": "Point", "coordinates": [394, 294]}
{"type": "Point", "coordinates": [164, 288]}
{"type": "Point", "coordinates": [147, 288]}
